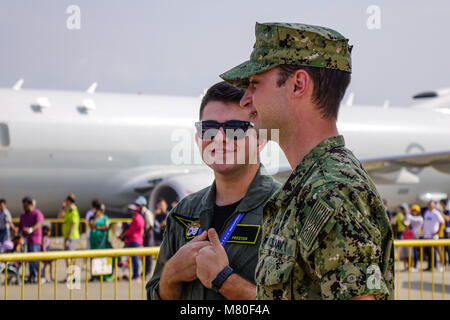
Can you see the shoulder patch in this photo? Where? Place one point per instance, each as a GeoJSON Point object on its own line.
{"type": "Point", "coordinates": [192, 226]}
{"type": "Point", "coordinates": [320, 213]}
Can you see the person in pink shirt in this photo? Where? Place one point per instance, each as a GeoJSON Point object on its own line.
{"type": "Point", "coordinates": [134, 236]}
{"type": "Point", "coordinates": [407, 234]}
{"type": "Point", "coordinates": [30, 227]}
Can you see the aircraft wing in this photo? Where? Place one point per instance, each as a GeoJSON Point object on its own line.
{"type": "Point", "coordinates": [438, 160]}
{"type": "Point", "coordinates": [404, 169]}
{"type": "Point", "coordinates": [393, 169]}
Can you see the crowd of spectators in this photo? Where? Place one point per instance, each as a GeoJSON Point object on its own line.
{"type": "Point", "coordinates": [147, 228]}
{"type": "Point", "coordinates": [34, 235]}
{"type": "Point", "coordinates": [429, 223]}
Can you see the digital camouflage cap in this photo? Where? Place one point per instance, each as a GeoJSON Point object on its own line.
{"type": "Point", "coordinates": [295, 44]}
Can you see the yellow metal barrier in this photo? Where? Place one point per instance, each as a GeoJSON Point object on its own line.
{"type": "Point", "coordinates": [86, 254]}
{"type": "Point", "coordinates": [153, 251]}
{"type": "Point", "coordinates": [430, 246]}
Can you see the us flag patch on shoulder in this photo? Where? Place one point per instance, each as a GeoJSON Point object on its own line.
{"type": "Point", "coordinates": [316, 220]}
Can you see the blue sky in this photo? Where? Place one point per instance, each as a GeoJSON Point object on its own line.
{"type": "Point", "coordinates": [180, 47]}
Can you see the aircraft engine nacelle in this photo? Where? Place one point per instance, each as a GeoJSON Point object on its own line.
{"type": "Point", "coordinates": [179, 186]}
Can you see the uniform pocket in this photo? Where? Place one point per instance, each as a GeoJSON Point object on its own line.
{"type": "Point", "coordinates": [276, 260]}
{"type": "Point", "coordinates": [273, 269]}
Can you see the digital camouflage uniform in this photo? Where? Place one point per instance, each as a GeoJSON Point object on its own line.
{"type": "Point", "coordinates": [196, 211]}
{"type": "Point", "coordinates": [326, 234]}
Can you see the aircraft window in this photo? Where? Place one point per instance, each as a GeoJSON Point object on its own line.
{"type": "Point", "coordinates": [4, 135]}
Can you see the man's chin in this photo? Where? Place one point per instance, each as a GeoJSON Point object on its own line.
{"type": "Point", "coordinates": [225, 168]}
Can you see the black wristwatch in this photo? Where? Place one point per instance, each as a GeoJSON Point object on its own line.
{"type": "Point", "coordinates": [221, 277]}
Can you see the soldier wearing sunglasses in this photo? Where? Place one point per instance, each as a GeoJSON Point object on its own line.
{"type": "Point", "coordinates": [210, 246]}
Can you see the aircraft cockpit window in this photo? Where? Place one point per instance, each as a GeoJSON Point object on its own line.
{"type": "Point", "coordinates": [4, 135]}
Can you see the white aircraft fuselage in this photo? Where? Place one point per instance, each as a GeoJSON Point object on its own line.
{"type": "Point", "coordinates": [108, 145]}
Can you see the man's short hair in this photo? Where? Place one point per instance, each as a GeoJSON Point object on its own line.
{"type": "Point", "coordinates": [28, 200]}
{"type": "Point", "coordinates": [99, 206]}
{"type": "Point", "coordinates": [71, 197]}
{"type": "Point", "coordinates": [222, 92]}
{"type": "Point", "coordinates": [329, 86]}
{"type": "Point", "coordinates": [3, 201]}
{"type": "Point", "coordinates": [95, 202]}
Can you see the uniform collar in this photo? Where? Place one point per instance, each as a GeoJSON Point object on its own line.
{"type": "Point", "coordinates": [285, 194]}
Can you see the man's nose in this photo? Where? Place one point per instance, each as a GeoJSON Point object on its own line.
{"type": "Point", "coordinates": [220, 136]}
{"type": "Point", "coordinates": [246, 100]}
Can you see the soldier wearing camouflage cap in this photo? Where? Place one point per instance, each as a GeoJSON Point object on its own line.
{"type": "Point", "coordinates": [326, 234]}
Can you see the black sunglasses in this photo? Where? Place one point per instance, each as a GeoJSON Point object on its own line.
{"type": "Point", "coordinates": [234, 129]}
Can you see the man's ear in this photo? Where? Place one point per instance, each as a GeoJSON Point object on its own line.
{"type": "Point", "coordinates": [198, 142]}
{"type": "Point", "coordinates": [301, 82]}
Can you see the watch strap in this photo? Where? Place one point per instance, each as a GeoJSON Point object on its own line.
{"type": "Point", "coordinates": [221, 277]}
